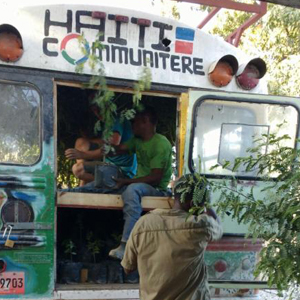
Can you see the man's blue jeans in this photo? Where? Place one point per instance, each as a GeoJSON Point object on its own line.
{"type": "Point", "coordinates": [132, 209]}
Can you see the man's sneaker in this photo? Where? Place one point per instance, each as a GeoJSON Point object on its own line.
{"type": "Point", "coordinates": [132, 277]}
{"type": "Point", "coordinates": [118, 253]}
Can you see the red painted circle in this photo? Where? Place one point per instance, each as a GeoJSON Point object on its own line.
{"type": "Point", "coordinates": [2, 265]}
{"type": "Point", "coordinates": [220, 266]}
{"type": "Point", "coordinates": [67, 39]}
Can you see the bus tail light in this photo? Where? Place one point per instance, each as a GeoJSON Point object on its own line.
{"type": "Point", "coordinates": [249, 74]}
{"type": "Point", "coordinates": [221, 71]}
{"type": "Point", "coordinates": [11, 46]}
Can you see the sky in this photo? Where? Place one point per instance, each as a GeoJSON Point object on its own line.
{"type": "Point", "coordinates": [189, 16]}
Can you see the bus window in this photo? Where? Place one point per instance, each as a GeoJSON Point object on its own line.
{"type": "Point", "coordinates": [236, 139]}
{"type": "Point", "coordinates": [226, 130]}
{"type": "Point", "coordinates": [19, 124]}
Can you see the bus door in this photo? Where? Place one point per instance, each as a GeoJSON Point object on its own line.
{"type": "Point", "coordinates": [221, 127]}
{"type": "Point", "coordinates": [26, 185]}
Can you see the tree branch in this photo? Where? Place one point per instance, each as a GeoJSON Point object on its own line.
{"type": "Point", "coordinates": [289, 3]}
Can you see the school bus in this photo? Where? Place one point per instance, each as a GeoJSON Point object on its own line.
{"type": "Point", "coordinates": [214, 95]}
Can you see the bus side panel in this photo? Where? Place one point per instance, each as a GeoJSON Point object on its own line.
{"type": "Point", "coordinates": [27, 186]}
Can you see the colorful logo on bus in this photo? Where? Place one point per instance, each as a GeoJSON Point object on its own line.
{"type": "Point", "coordinates": [130, 41]}
{"type": "Point", "coordinates": [184, 40]}
{"type": "Point", "coordinates": [65, 54]}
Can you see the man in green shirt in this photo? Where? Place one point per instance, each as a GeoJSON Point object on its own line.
{"type": "Point", "coordinates": [154, 157]}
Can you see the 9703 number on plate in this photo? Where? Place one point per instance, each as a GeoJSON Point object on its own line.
{"type": "Point", "coordinates": [12, 283]}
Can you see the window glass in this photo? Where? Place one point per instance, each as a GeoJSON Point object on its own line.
{"type": "Point", "coordinates": [19, 124]}
{"type": "Point", "coordinates": [225, 130]}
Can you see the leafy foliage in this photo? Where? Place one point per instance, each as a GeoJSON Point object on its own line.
{"type": "Point", "coordinates": [280, 42]}
{"type": "Point", "coordinates": [168, 9]}
{"type": "Point", "coordinates": [69, 248]}
{"type": "Point", "coordinates": [104, 97]}
{"type": "Point", "coordinates": [273, 213]}
{"type": "Point", "coordinates": [195, 184]}
{"type": "Point", "coordinates": [94, 245]}
{"type": "Point", "coordinates": [23, 152]}
{"type": "Point", "coordinates": [65, 177]}
{"type": "Point", "coordinates": [231, 20]}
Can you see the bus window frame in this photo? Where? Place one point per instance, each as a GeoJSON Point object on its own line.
{"type": "Point", "coordinates": [237, 99]}
{"type": "Point", "coordinates": [40, 124]}
{"type": "Point", "coordinates": [116, 89]}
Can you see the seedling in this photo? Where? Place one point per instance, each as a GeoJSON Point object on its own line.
{"type": "Point", "coordinates": [94, 245]}
{"type": "Point", "coordinates": [69, 248]}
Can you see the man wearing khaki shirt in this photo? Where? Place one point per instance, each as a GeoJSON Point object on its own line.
{"type": "Point", "coordinates": [167, 247]}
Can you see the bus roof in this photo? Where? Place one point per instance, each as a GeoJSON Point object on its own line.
{"type": "Point", "coordinates": [175, 53]}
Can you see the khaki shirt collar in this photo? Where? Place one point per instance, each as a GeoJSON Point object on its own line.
{"type": "Point", "coordinates": [169, 212]}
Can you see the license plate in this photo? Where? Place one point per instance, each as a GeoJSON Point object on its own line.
{"type": "Point", "coordinates": [12, 283]}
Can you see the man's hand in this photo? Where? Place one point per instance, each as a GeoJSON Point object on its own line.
{"type": "Point", "coordinates": [120, 182]}
{"type": "Point", "coordinates": [128, 271]}
{"type": "Point", "coordinates": [73, 153]}
{"type": "Point", "coordinates": [213, 214]}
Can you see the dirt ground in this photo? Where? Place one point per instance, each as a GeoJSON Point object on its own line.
{"type": "Point", "coordinates": [272, 295]}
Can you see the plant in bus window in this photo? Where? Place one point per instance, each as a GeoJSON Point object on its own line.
{"type": "Point", "coordinates": [69, 271]}
{"type": "Point", "coordinates": [104, 97]}
{"type": "Point", "coordinates": [69, 248]}
{"type": "Point", "coordinates": [94, 245]}
{"type": "Point", "coordinates": [97, 271]}
{"type": "Point", "coordinates": [108, 102]}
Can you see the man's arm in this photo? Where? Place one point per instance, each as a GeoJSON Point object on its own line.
{"type": "Point", "coordinates": [118, 150]}
{"type": "Point", "coordinates": [73, 153]}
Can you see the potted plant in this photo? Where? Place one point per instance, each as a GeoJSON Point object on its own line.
{"type": "Point", "coordinates": [69, 270]}
{"type": "Point", "coordinates": [97, 271]}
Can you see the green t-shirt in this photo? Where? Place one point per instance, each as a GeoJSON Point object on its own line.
{"type": "Point", "coordinates": [153, 154]}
